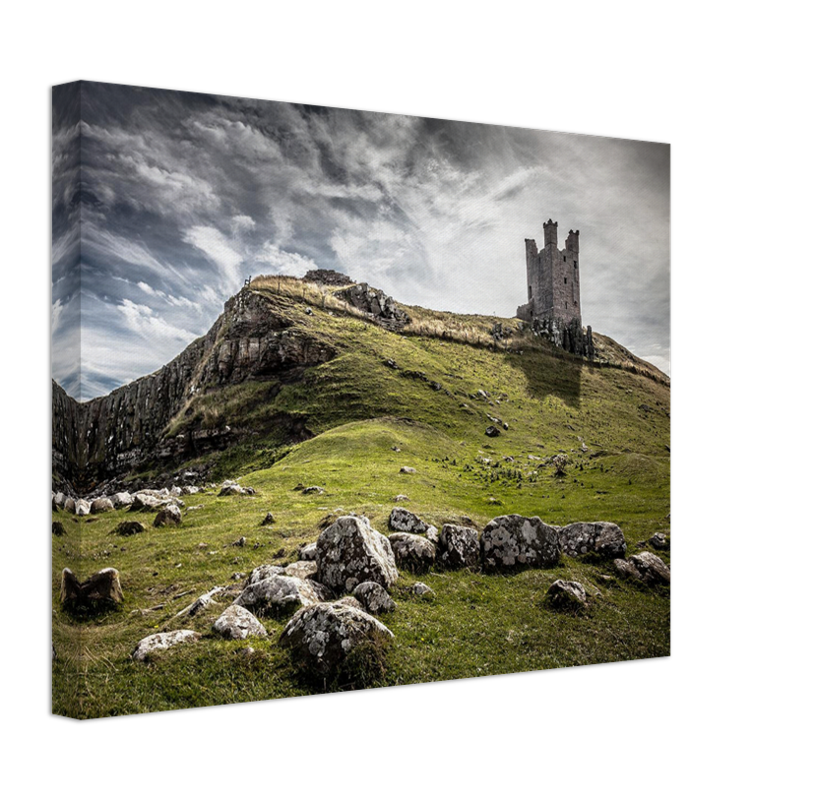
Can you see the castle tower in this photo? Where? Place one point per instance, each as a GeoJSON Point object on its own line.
{"type": "Point", "coordinates": [553, 278]}
{"type": "Point", "coordinates": [553, 292]}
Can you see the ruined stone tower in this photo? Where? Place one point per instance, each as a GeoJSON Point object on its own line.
{"type": "Point", "coordinates": [553, 291]}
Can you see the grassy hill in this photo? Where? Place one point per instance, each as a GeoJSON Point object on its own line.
{"type": "Point", "coordinates": [421, 397]}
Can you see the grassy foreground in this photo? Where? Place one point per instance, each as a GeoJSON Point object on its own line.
{"type": "Point", "coordinates": [369, 419]}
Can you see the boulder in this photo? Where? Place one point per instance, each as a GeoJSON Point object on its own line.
{"type": "Point", "coordinates": [268, 519]}
{"type": "Point", "coordinates": [314, 490]}
{"type": "Point", "coordinates": [408, 470]}
{"type": "Point", "coordinates": [406, 521]}
{"type": "Point", "coordinates": [325, 637]}
{"type": "Point", "coordinates": [457, 548]}
{"type": "Point", "coordinates": [411, 552]}
{"type": "Point", "coordinates": [100, 505]}
{"type": "Point", "coordinates": [646, 567]}
{"type": "Point", "coordinates": [70, 505]}
{"type": "Point", "coordinates": [659, 541]}
{"type": "Point", "coordinates": [57, 528]}
{"type": "Point", "coordinates": [513, 541]}
{"type": "Point", "coordinates": [262, 572]}
{"type": "Point", "coordinates": [161, 641]}
{"type": "Point", "coordinates": [82, 508]}
{"type": "Point", "coordinates": [129, 527]}
{"type": "Point", "coordinates": [604, 538]}
{"type": "Point", "coordinates": [278, 596]}
{"type": "Point", "coordinates": [146, 502]}
{"type": "Point", "coordinates": [375, 600]}
{"type": "Point", "coordinates": [238, 623]}
{"type": "Point", "coordinates": [350, 552]}
{"type": "Point", "coordinates": [566, 595]}
{"type": "Point", "coordinates": [230, 490]}
{"type": "Point", "coordinates": [492, 431]}
{"type": "Point", "coordinates": [103, 588]}
{"type": "Point", "coordinates": [171, 515]}
{"type": "Point", "coordinates": [58, 501]}
{"type": "Point", "coordinates": [121, 499]}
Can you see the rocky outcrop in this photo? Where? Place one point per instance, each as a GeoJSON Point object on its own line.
{"type": "Point", "coordinates": [327, 277]}
{"type": "Point", "coordinates": [379, 306]}
{"type": "Point", "coordinates": [110, 435]}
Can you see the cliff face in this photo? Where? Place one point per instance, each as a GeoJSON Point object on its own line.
{"type": "Point", "coordinates": [110, 435]}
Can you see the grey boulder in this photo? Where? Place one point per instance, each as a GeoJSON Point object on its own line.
{"type": "Point", "coordinates": [411, 552]}
{"type": "Point", "coordinates": [566, 595]}
{"type": "Point", "coordinates": [513, 541]}
{"type": "Point", "coordinates": [457, 548]}
{"type": "Point", "coordinates": [375, 600]}
{"type": "Point", "coordinates": [238, 623]}
{"type": "Point", "coordinates": [277, 595]}
{"type": "Point", "coordinates": [161, 641]}
{"type": "Point", "coordinates": [604, 538]}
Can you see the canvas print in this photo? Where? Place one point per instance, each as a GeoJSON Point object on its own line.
{"type": "Point", "coordinates": [348, 400]}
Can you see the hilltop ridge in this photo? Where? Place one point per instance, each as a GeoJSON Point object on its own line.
{"type": "Point", "coordinates": [261, 373]}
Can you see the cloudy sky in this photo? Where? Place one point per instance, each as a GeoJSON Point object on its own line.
{"type": "Point", "coordinates": [181, 196]}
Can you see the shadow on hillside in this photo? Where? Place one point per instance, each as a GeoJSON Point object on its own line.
{"type": "Point", "coordinates": [552, 376]}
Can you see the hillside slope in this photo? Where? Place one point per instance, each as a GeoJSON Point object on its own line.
{"type": "Point", "coordinates": [295, 388]}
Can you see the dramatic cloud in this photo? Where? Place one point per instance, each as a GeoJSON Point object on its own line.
{"type": "Point", "coordinates": [182, 196]}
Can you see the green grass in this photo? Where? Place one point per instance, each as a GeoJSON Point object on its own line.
{"type": "Point", "coordinates": [359, 410]}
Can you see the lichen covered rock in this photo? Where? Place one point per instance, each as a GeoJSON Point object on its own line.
{"type": "Point", "coordinates": [374, 599]}
{"type": "Point", "coordinates": [330, 639]}
{"type": "Point", "coordinates": [350, 552]}
{"type": "Point", "coordinates": [513, 541]}
{"type": "Point", "coordinates": [566, 595]}
{"type": "Point", "coordinates": [277, 595]}
{"type": "Point", "coordinates": [457, 548]}
{"type": "Point", "coordinates": [604, 538]}
{"type": "Point", "coordinates": [238, 623]}
{"type": "Point", "coordinates": [411, 552]}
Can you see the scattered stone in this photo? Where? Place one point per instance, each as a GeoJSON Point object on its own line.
{"type": "Point", "coordinates": [161, 641]}
{"type": "Point", "coordinates": [238, 576]}
{"type": "Point", "coordinates": [603, 538]}
{"type": "Point", "coordinates": [400, 498]}
{"type": "Point", "coordinates": [374, 599]}
{"type": "Point", "coordinates": [350, 552]}
{"type": "Point", "coordinates": [268, 519]}
{"type": "Point", "coordinates": [494, 501]}
{"type": "Point", "coordinates": [279, 554]}
{"type": "Point", "coordinates": [200, 603]}
{"type": "Point", "coordinates": [58, 501]}
{"type": "Point", "coordinates": [328, 637]}
{"type": "Point", "coordinates": [566, 595]}
{"type": "Point", "coordinates": [408, 470]}
{"type": "Point", "coordinates": [262, 572]}
{"type": "Point", "coordinates": [314, 490]}
{"type": "Point", "coordinates": [659, 541]}
{"type": "Point", "coordinates": [422, 590]}
{"type": "Point", "coordinates": [457, 548]}
{"type": "Point", "coordinates": [645, 567]}
{"type": "Point", "coordinates": [492, 431]}
{"type": "Point", "coordinates": [278, 595]}
{"type": "Point", "coordinates": [102, 588]}
{"type": "Point", "coordinates": [513, 541]}
{"type": "Point", "coordinates": [171, 515]}
{"type": "Point", "coordinates": [129, 527]}
{"type": "Point", "coordinates": [70, 505]}
{"type": "Point", "coordinates": [231, 490]}
{"type": "Point", "coordinates": [239, 542]}
{"type": "Point", "coordinates": [411, 552]}
{"type": "Point", "coordinates": [238, 623]}
{"type": "Point", "coordinates": [245, 652]}
{"type": "Point", "coordinates": [57, 528]}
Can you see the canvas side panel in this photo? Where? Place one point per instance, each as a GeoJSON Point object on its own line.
{"type": "Point", "coordinates": [65, 375]}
